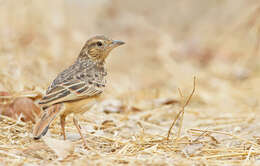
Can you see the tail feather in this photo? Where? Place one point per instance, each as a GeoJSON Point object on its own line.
{"type": "Point", "coordinates": [47, 117]}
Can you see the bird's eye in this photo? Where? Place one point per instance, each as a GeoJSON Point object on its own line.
{"type": "Point", "coordinates": [99, 43]}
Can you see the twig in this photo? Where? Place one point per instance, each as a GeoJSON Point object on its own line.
{"type": "Point", "coordinates": [12, 120]}
{"type": "Point", "coordinates": [181, 113]}
{"type": "Point", "coordinates": [6, 153]}
{"type": "Point", "coordinates": [227, 155]}
{"type": "Point", "coordinates": [180, 93]}
{"type": "Point", "coordinates": [200, 136]}
{"type": "Point", "coordinates": [248, 155]}
{"type": "Point", "coordinates": [224, 133]}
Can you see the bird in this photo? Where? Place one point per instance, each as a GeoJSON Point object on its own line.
{"type": "Point", "coordinates": [76, 89]}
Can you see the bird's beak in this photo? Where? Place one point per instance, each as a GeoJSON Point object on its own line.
{"type": "Point", "coordinates": [116, 43]}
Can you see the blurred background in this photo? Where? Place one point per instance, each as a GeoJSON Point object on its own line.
{"type": "Point", "coordinates": [168, 42]}
{"type": "Point", "coordinates": [38, 39]}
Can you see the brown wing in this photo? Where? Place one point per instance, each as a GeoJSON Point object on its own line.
{"type": "Point", "coordinates": [80, 80]}
{"type": "Point", "coordinates": [68, 91]}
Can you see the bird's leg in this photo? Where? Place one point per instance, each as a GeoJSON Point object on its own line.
{"type": "Point", "coordinates": [75, 120]}
{"type": "Point", "coordinates": [62, 123]}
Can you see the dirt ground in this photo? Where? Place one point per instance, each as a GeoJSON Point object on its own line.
{"type": "Point", "coordinates": [151, 77]}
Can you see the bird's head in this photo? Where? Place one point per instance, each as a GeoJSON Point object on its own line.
{"type": "Point", "coordinates": [98, 47]}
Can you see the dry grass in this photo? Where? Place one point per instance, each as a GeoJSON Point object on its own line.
{"type": "Point", "coordinates": [167, 45]}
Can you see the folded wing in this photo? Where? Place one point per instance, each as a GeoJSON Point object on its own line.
{"type": "Point", "coordinates": [69, 91]}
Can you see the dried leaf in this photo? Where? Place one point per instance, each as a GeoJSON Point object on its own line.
{"type": "Point", "coordinates": [26, 107]}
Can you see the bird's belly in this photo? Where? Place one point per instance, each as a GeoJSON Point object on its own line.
{"type": "Point", "coordinates": [79, 106]}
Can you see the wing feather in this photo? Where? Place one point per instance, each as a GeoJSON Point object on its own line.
{"type": "Point", "coordinates": [69, 92]}
{"type": "Point", "coordinates": [73, 84]}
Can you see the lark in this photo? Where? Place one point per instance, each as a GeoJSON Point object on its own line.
{"type": "Point", "coordinates": [77, 88]}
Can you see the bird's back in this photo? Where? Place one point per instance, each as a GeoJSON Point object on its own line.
{"type": "Point", "coordinates": [82, 79]}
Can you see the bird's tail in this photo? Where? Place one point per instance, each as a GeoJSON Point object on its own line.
{"type": "Point", "coordinates": [47, 117]}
